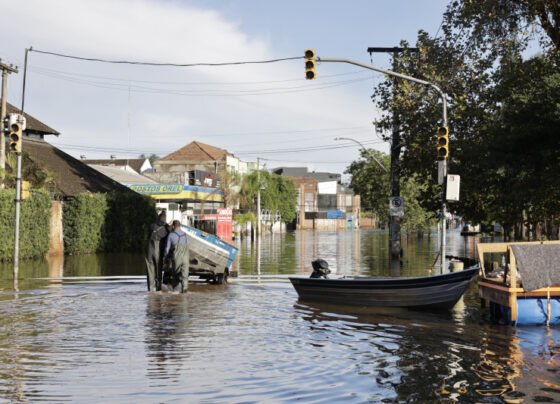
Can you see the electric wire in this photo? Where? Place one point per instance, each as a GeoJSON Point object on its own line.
{"type": "Point", "coordinates": [250, 152]}
{"type": "Point", "coordinates": [204, 92]}
{"type": "Point", "coordinates": [350, 129]}
{"type": "Point", "coordinates": [167, 64]}
{"type": "Point", "coordinates": [39, 69]}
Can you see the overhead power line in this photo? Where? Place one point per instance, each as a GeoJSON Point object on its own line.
{"type": "Point", "coordinates": [168, 64]}
{"type": "Point", "coordinates": [251, 152]}
{"type": "Point", "coordinates": [201, 92]}
{"type": "Point", "coordinates": [128, 80]}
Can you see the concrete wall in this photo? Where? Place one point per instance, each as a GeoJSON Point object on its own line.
{"type": "Point", "coordinates": [56, 243]}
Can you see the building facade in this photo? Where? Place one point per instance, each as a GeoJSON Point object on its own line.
{"type": "Point", "coordinates": [323, 202]}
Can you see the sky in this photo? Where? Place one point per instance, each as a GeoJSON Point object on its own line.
{"type": "Point", "coordinates": [267, 111]}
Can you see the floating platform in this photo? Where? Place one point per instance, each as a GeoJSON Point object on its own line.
{"type": "Point", "coordinates": [525, 288]}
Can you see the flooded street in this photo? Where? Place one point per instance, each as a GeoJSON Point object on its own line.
{"type": "Point", "coordinates": [252, 341]}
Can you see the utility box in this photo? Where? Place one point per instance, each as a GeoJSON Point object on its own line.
{"type": "Point", "coordinates": [452, 188]}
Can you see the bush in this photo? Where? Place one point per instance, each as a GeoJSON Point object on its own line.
{"type": "Point", "coordinates": [113, 222]}
{"type": "Point", "coordinates": [82, 221]}
{"type": "Point", "coordinates": [34, 227]}
{"type": "Point", "coordinates": [128, 221]}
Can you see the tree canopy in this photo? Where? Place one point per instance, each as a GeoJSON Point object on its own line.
{"type": "Point", "coordinates": [278, 194]}
{"type": "Point", "coordinates": [498, 63]}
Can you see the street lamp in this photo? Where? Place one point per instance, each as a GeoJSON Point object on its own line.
{"type": "Point", "coordinates": [442, 164]}
{"type": "Point", "coordinates": [366, 150]}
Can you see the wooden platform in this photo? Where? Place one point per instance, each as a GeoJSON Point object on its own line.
{"type": "Point", "coordinates": [505, 293]}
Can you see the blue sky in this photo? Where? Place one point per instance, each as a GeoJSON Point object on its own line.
{"type": "Point", "coordinates": [267, 111]}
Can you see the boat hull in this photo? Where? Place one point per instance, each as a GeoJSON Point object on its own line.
{"type": "Point", "coordinates": [209, 254]}
{"type": "Point", "coordinates": [429, 292]}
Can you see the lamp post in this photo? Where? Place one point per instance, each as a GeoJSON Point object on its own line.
{"type": "Point", "coordinates": [442, 163]}
{"type": "Point", "coordinates": [366, 150]}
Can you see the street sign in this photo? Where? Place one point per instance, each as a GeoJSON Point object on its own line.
{"type": "Point", "coordinates": [452, 189]}
{"type": "Point", "coordinates": [396, 206]}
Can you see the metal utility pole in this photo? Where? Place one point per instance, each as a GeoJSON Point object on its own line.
{"type": "Point", "coordinates": [396, 146]}
{"type": "Point", "coordinates": [258, 198]}
{"type": "Point", "coordinates": [6, 69]}
{"type": "Point", "coordinates": [444, 119]}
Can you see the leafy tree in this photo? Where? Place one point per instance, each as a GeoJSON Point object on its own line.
{"type": "Point", "coordinates": [277, 194]}
{"type": "Point", "coordinates": [508, 22]}
{"type": "Point", "coordinates": [152, 157]}
{"type": "Point", "coordinates": [372, 183]}
{"type": "Point", "coordinates": [499, 104]}
{"type": "Point", "coordinates": [230, 184]}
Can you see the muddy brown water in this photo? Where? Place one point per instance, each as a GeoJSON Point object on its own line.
{"type": "Point", "coordinates": [253, 341]}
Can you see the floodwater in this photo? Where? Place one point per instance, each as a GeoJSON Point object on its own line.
{"type": "Point", "coordinates": [252, 341]}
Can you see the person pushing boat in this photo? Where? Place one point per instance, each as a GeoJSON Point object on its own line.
{"type": "Point", "coordinates": [177, 259]}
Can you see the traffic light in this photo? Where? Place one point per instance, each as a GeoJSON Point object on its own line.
{"type": "Point", "coordinates": [310, 64]}
{"type": "Point", "coordinates": [442, 143]}
{"type": "Point", "coordinates": [15, 127]}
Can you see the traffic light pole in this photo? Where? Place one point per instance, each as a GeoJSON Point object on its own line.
{"type": "Point", "coordinates": [258, 199]}
{"type": "Point", "coordinates": [17, 219]}
{"type": "Point", "coordinates": [6, 69]}
{"type": "Point", "coordinates": [444, 117]}
{"type": "Point", "coordinates": [18, 179]}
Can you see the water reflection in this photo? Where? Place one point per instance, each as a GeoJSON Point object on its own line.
{"type": "Point", "coordinates": [256, 342]}
{"type": "Point", "coordinates": [348, 252]}
{"type": "Point", "coordinates": [167, 320]}
{"type": "Point", "coordinates": [420, 357]}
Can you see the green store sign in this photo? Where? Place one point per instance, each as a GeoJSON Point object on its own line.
{"type": "Point", "coordinates": [157, 188]}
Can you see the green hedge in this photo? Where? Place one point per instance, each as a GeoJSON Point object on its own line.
{"type": "Point", "coordinates": [117, 221]}
{"type": "Point", "coordinates": [82, 222]}
{"type": "Point", "coordinates": [34, 225]}
{"type": "Point", "coordinates": [128, 221]}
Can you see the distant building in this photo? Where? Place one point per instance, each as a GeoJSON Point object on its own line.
{"type": "Point", "coordinates": [200, 169]}
{"type": "Point", "coordinates": [323, 202]}
{"type": "Point", "coordinates": [198, 164]}
{"type": "Point", "coordinates": [140, 165]}
{"type": "Point", "coordinates": [304, 172]}
{"type": "Point", "coordinates": [123, 175]}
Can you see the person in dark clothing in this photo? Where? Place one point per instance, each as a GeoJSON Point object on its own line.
{"type": "Point", "coordinates": [154, 257]}
{"type": "Point", "coordinates": [177, 258]}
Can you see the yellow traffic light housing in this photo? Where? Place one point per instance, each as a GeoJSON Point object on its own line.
{"type": "Point", "coordinates": [310, 62]}
{"type": "Point", "coordinates": [25, 186]}
{"type": "Point", "coordinates": [15, 137]}
{"type": "Point", "coordinates": [442, 143]}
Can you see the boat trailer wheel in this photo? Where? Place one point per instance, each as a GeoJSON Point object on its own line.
{"type": "Point", "coordinates": [220, 279]}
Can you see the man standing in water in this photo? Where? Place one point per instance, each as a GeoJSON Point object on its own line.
{"type": "Point", "coordinates": [177, 257]}
{"type": "Point", "coordinates": [154, 256]}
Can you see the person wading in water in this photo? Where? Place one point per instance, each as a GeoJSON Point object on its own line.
{"type": "Point", "coordinates": [154, 255]}
{"type": "Point", "coordinates": [177, 258]}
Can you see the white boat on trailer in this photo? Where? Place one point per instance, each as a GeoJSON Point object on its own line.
{"type": "Point", "coordinates": [211, 258]}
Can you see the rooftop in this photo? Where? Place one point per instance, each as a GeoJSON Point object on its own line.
{"type": "Point", "coordinates": [135, 164]}
{"type": "Point", "coordinates": [72, 176]}
{"type": "Point", "coordinates": [196, 151]}
{"type": "Point", "coordinates": [32, 124]}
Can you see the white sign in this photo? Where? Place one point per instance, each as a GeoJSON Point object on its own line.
{"type": "Point", "coordinates": [327, 188]}
{"type": "Point", "coordinates": [452, 189]}
{"type": "Point", "coordinates": [396, 206]}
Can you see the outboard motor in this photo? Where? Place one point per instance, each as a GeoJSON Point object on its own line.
{"type": "Point", "coordinates": [320, 268]}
